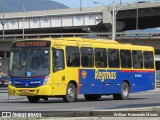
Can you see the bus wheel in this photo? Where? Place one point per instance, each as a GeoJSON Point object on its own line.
{"type": "Point", "coordinates": [33, 99]}
{"type": "Point", "coordinates": [124, 92]}
{"type": "Point", "coordinates": [92, 97]}
{"type": "Point", "coordinates": [71, 93]}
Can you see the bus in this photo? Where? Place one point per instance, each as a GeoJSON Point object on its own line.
{"type": "Point", "coordinates": [66, 67]}
{"type": "Point", "coordinates": [157, 61]}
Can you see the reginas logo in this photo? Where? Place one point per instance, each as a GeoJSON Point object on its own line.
{"type": "Point", "coordinates": [84, 74]}
{"type": "Point", "coordinates": [104, 75]}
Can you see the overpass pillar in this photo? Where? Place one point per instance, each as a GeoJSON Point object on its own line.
{"type": "Point", "coordinates": [107, 19]}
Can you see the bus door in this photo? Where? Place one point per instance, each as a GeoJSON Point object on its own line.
{"type": "Point", "coordinates": [58, 76]}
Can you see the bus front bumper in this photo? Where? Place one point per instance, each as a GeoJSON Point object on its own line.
{"type": "Point", "coordinates": [42, 90]}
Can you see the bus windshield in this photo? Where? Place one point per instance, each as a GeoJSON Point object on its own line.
{"type": "Point", "coordinates": [29, 62]}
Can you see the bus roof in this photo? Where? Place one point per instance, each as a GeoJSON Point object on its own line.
{"type": "Point", "coordinates": [93, 40]}
{"type": "Point", "coordinates": [74, 40]}
{"type": "Point", "coordinates": [78, 39]}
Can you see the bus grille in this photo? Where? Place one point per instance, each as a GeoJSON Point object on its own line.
{"type": "Point", "coordinates": [26, 85]}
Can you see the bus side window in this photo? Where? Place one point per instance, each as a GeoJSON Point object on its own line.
{"type": "Point", "coordinates": [137, 59]}
{"type": "Point", "coordinates": [125, 56]}
{"type": "Point", "coordinates": [148, 60]}
{"type": "Point", "coordinates": [87, 57]}
{"type": "Point", "coordinates": [113, 58]}
{"type": "Point", "coordinates": [100, 57]}
{"type": "Point", "coordinates": [72, 56]}
{"type": "Point", "coordinates": [58, 60]}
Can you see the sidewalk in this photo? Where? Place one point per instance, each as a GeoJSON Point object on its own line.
{"type": "Point", "coordinates": [152, 91]}
{"type": "Point", "coordinates": [4, 95]}
{"type": "Point", "coordinates": [101, 118]}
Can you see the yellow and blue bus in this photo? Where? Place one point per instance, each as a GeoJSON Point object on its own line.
{"type": "Point", "coordinates": [67, 67]}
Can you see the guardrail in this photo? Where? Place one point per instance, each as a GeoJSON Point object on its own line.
{"type": "Point", "coordinates": [120, 35]}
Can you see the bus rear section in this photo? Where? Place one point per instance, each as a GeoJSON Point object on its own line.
{"type": "Point", "coordinates": [157, 58]}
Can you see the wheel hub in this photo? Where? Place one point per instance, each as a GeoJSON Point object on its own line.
{"type": "Point", "coordinates": [70, 93]}
{"type": "Point", "coordinates": [125, 91]}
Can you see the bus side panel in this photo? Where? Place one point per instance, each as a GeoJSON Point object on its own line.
{"type": "Point", "coordinates": [142, 80]}
{"type": "Point", "coordinates": [88, 85]}
{"type": "Point", "coordinates": [99, 81]}
{"type": "Point", "coordinates": [110, 81]}
{"type": "Point", "coordinates": [61, 78]}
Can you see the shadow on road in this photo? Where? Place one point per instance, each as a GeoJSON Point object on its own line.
{"type": "Point", "coordinates": [60, 100]}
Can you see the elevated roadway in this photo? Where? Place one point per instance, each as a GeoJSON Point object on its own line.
{"type": "Point", "coordinates": [137, 38]}
{"type": "Point", "coordinates": [93, 19]}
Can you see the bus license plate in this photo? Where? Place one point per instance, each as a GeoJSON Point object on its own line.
{"type": "Point", "coordinates": [25, 91]}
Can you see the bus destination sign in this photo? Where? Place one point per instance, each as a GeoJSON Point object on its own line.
{"type": "Point", "coordinates": [31, 44]}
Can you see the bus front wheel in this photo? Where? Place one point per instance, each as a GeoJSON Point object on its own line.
{"type": "Point", "coordinates": [33, 99]}
{"type": "Point", "coordinates": [71, 93]}
{"type": "Point", "coordinates": [124, 92]}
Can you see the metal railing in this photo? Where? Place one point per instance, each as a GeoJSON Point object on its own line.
{"type": "Point", "coordinates": [120, 35]}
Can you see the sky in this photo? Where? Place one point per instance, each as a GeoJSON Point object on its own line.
{"type": "Point", "coordinates": [89, 3]}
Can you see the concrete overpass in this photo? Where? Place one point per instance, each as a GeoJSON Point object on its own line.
{"type": "Point", "coordinates": [94, 19]}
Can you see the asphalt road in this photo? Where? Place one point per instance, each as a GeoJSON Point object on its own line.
{"type": "Point", "coordinates": [138, 100]}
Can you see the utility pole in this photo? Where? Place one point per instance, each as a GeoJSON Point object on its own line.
{"type": "Point", "coordinates": [120, 2]}
{"type": "Point", "coordinates": [3, 23]}
{"type": "Point", "coordinates": [114, 13]}
{"type": "Point", "coordinates": [137, 17]}
{"type": "Point", "coordinates": [80, 5]}
{"type": "Point", "coordinates": [23, 15]}
{"type": "Point", "coordinates": [113, 20]}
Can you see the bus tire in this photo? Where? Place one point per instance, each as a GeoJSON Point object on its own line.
{"type": "Point", "coordinates": [92, 97]}
{"type": "Point", "coordinates": [33, 99]}
{"type": "Point", "coordinates": [124, 92]}
{"type": "Point", "coordinates": [71, 93]}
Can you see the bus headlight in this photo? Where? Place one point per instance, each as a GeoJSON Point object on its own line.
{"type": "Point", "coordinates": [46, 80]}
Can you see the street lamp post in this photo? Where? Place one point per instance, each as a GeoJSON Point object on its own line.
{"type": "Point", "coordinates": [113, 16]}
{"type": "Point", "coordinates": [95, 2]}
{"type": "Point", "coordinates": [3, 23]}
{"type": "Point", "coordinates": [113, 20]}
{"type": "Point", "coordinates": [137, 17]}
{"type": "Point", "coordinates": [80, 5]}
{"type": "Point", "coordinates": [114, 13]}
{"type": "Point", "coordinates": [23, 15]}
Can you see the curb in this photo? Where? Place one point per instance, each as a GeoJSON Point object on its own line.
{"type": "Point", "coordinates": [153, 108]}
{"type": "Point", "coordinates": [100, 113]}
{"type": "Point", "coordinates": [14, 99]}
{"type": "Point", "coordinates": [130, 114]}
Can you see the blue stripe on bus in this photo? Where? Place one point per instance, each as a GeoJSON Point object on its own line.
{"type": "Point", "coordinates": [109, 81]}
{"type": "Point", "coordinates": [27, 82]}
